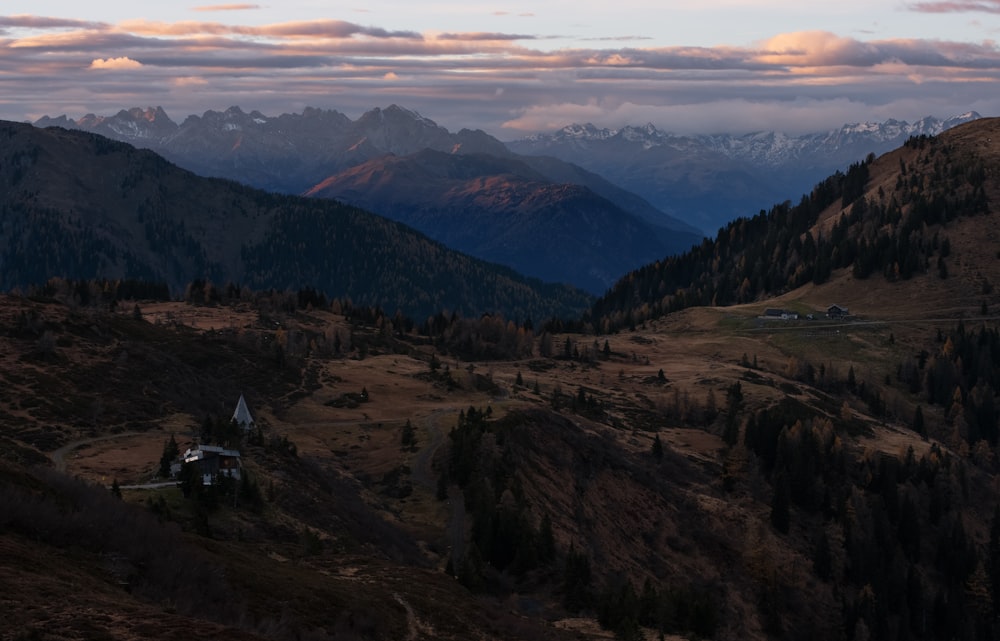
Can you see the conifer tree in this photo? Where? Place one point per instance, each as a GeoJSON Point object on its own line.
{"type": "Point", "coordinates": [781, 504]}
{"type": "Point", "coordinates": [994, 559]}
{"type": "Point", "coordinates": [170, 453]}
{"type": "Point", "coordinates": [918, 422]}
{"type": "Point", "coordinates": [822, 557]}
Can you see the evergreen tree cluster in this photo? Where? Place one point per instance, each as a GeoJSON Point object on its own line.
{"type": "Point", "coordinates": [38, 243]}
{"type": "Point", "coordinates": [349, 253]}
{"type": "Point", "coordinates": [892, 529]}
{"type": "Point", "coordinates": [506, 536]}
{"type": "Point", "coordinates": [963, 377]}
{"type": "Point", "coordinates": [487, 337]}
{"type": "Point", "coordinates": [690, 611]}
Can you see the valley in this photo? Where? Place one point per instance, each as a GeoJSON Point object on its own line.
{"type": "Point", "coordinates": [676, 459]}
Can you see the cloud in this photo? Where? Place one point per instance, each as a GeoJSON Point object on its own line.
{"type": "Point", "coordinates": [41, 22]}
{"type": "Point", "coordinates": [984, 6]}
{"type": "Point", "coordinates": [115, 63]}
{"type": "Point", "coordinates": [322, 28]}
{"type": "Point", "coordinates": [483, 36]}
{"type": "Point", "coordinates": [190, 81]}
{"type": "Point", "coordinates": [487, 80]}
{"type": "Point", "coordinates": [227, 7]}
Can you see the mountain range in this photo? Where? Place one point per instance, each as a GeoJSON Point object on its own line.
{"type": "Point", "coordinates": [603, 229]}
{"type": "Point", "coordinates": [78, 205]}
{"type": "Point", "coordinates": [709, 180]}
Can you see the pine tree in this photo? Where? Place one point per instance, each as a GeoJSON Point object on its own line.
{"type": "Point", "coordinates": [780, 505]}
{"type": "Point", "coordinates": [994, 559]}
{"type": "Point", "coordinates": [409, 437]}
{"type": "Point", "coordinates": [822, 557]}
{"type": "Point", "coordinates": [170, 453]}
{"type": "Point", "coordinates": [576, 580]}
{"type": "Point", "coordinates": [918, 422]}
{"type": "Point", "coordinates": [546, 541]}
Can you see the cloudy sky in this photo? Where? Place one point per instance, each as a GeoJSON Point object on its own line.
{"type": "Point", "coordinates": [511, 68]}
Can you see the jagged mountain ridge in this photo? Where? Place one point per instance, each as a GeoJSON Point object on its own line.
{"type": "Point", "coordinates": [78, 205]}
{"type": "Point", "coordinates": [710, 179]}
{"type": "Point", "coordinates": [287, 153]}
{"type": "Point", "coordinates": [293, 153]}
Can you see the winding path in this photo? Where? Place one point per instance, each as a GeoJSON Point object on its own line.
{"type": "Point", "coordinates": [422, 470]}
{"type": "Point", "coordinates": [59, 456]}
{"type": "Point", "coordinates": [422, 473]}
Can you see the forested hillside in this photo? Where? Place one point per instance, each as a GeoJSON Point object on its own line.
{"type": "Point", "coordinates": [895, 230]}
{"type": "Point", "coordinates": [78, 206]}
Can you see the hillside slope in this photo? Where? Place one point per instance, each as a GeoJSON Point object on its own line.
{"type": "Point", "coordinates": [504, 211]}
{"type": "Point", "coordinates": [664, 483]}
{"type": "Point", "coordinates": [77, 205]}
{"type": "Point", "coordinates": [915, 222]}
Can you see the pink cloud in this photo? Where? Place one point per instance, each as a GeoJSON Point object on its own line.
{"type": "Point", "coordinates": [813, 48]}
{"type": "Point", "coordinates": [291, 64]}
{"type": "Point", "coordinates": [115, 63]}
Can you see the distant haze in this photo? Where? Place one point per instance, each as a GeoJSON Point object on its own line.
{"type": "Point", "coordinates": [708, 67]}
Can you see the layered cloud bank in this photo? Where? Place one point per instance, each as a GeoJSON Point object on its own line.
{"type": "Point", "coordinates": [498, 81]}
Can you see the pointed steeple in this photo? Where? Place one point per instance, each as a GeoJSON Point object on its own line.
{"type": "Point", "coordinates": [242, 415]}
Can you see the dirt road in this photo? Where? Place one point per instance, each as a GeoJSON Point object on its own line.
{"type": "Point", "coordinates": [59, 456]}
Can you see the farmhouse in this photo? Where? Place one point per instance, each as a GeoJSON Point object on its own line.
{"type": "Point", "coordinates": [212, 461]}
{"type": "Point", "coordinates": [837, 311]}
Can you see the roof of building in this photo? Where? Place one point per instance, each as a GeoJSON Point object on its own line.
{"type": "Point", "coordinates": [199, 452]}
{"type": "Point", "coordinates": [242, 414]}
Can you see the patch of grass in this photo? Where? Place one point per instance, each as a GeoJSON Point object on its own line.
{"type": "Point", "coordinates": [735, 323]}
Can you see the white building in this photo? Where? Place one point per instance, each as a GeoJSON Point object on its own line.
{"type": "Point", "coordinates": [214, 461]}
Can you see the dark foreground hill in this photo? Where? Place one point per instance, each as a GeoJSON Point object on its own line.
{"type": "Point", "coordinates": [629, 485]}
{"type": "Point", "coordinates": [77, 205]}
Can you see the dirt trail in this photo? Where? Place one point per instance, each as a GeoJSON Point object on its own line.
{"type": "Point", "coordinates": [422, 474]}
{"type": "Point", "coordinates": [412, 624]}
{"type": "Point", "coordinates": [422, 471]}
{"type": "Point", "coordinates": [59, 456]}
